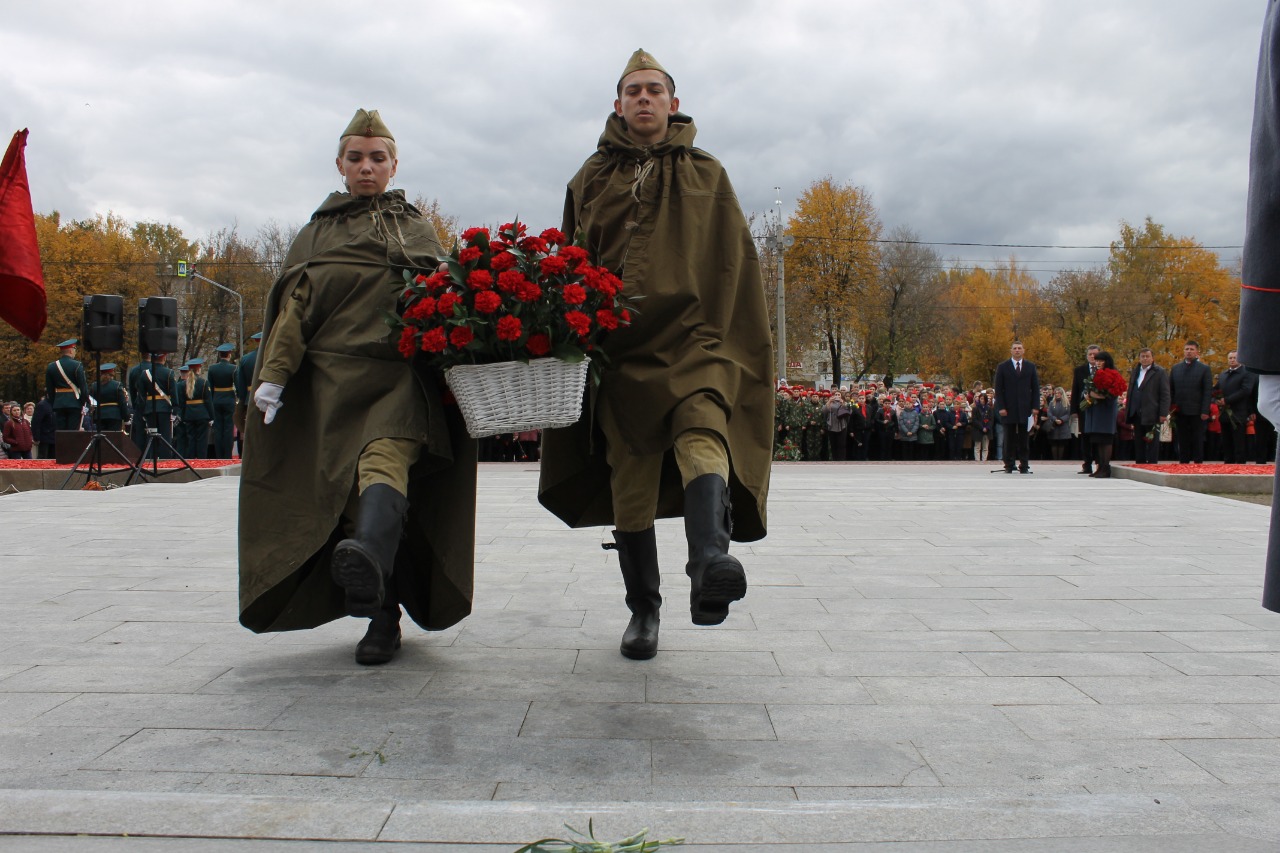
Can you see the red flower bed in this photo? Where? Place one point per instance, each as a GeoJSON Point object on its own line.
{"type": "Point", "coordinates": [1178, 468]}
{"type": "Point", "coordinates": [50, 465]}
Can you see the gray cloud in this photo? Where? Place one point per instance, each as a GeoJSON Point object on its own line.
{"type": "Point", "coordinates": [991, 121]}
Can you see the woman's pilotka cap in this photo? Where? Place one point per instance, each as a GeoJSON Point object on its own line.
{"type": "Point", "coordinates": [368, 123]}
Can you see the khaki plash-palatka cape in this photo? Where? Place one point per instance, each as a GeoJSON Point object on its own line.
{"type": "Point", "coordinates": [699, 355]}
{"type": "Point", "coordinates": [353, 386]}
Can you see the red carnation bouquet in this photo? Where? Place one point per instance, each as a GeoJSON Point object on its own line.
{"type": "Point", "coordinates": [1105, 382]}
{"type": "Point", "coordinates": [510, 297]}
{"type": "Point", "coordinates": [511, 319]}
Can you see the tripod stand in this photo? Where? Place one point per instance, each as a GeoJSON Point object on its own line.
{"type": "Point", "coordinates": [93, 450]}
{"type": "Point", "coordinates": [154, 436]}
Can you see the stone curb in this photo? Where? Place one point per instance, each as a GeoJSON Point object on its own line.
{"type": "Point", "coordinates": [1206, 484]}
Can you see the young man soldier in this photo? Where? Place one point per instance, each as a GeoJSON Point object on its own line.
{"type": "Point", "coordinates": [682, 421]}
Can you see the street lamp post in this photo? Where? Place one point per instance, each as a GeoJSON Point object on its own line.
{"type": "Point", "coordinates": [779, 243]}
{"type": "Point", "coordinates": [239, 303]}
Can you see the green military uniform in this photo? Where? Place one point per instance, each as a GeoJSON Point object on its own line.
{"type": "Point", "coordinates": [137, 393]}
{"type": "Point", "coordinates": [677, 367]}
{"type": "Point", "coordinates": [244, 388]}
{"type": "Point", "coordinates": [156, 401]}
{"type": "Point", "coordinates": [222, 384]}
{"type": "Point", "coordinates": [113, 402]}
{"type": "Point", "coordinates": [179, 425]}
{"type": "Point", "coordinates": [67, 387]}
{"type": "Point", "coordinates": [347, 390]}
{"type": "Point", "coordinates": [195, 411]}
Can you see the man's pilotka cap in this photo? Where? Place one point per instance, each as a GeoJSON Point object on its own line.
{"type": "Point", "coordinates": [367, 123]}
{"type": "Point", "coordinates": [642, 60]}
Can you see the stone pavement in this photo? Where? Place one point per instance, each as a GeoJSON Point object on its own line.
{"type": "Point", "coordinates": [930, 658]}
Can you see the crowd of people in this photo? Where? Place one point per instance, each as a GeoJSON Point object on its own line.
{"type": "Point", "coordinates": [1185, 414]}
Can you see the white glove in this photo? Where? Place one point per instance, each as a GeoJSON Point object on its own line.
{"type": "Point", "coordinates": [1269, 397]}
{"type": "Point", "coordinates": [267, 399]}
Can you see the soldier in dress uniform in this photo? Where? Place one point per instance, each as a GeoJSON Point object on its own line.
{"type": "Point", "coordinates": [244, 381]}
{"type": "Point", "coordinates": [113, 402]}
{"type": "Point", "coordinates": [137, 396]}
{"type": "Point", "coordinates": [197, 410]}
{"type": "Point", "coordinates": [179, 424]}
{"type": "Point", "coordinates": [156, 401]}
{"type": "Point", "coordinates": [222, 381]}
{"type": "Point", "coordinates": [66, 385]}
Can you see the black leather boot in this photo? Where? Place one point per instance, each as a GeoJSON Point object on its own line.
{"type": "Point", "coordinates": [716, 579]}
{"type": "Point", "coordinates": [638, 559]}
{"type": "Point", "coordinates": [383, 637]}
{"type": "Point", "coordinates": [362, 565]}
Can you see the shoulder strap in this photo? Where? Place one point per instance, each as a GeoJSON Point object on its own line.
{"type": "Point", "coordinates": [58, 364]}
{"type": "Point", "coordinates": [151, 383]}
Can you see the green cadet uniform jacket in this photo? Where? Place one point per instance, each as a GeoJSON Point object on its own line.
{"type": "Point", "coordinates": [698, 355]}
{"type": "Point", "coordinates": [349, 386]}
{"type": "Point", "coordinates": [62, 395]}
{"type": "Point", "coordinates": [198, 405]}
{"type": "Point", "coordinates": [113, 403]}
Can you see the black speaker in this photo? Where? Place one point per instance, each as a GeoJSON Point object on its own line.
{"type": "Point", "coordinates": [103, 327]}
{"type": "Point", "coordinates": [158, 324]}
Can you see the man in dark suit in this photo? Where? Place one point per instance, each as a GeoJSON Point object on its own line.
{"type": "Point", "coordinates": [1191, 391]}
{"type": "Point", "coordinates": [1148, 405]}
{"type": "Point", "coordinates": [1078, 377]}
{"type": "Point", "coordinates": [1017, 387]}
{"type": "Point", "coordinates": [1238, 388]}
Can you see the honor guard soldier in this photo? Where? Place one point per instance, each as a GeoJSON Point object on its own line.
{"type": "Point", "coordinates": [157, 400]}
{"type": "Point", "coordinates": [195, 408]}
{"type": "Point", "coordinates": [681, 423]}
{"type": "Point", "coordinates": [67, 387]}
{"type": "Point", "coordinates": [179, 425]}
{"type": "Point", "coordinates": [137, 396]}
{"type": "Point", "coordinates": [113, 402]}
{"type": "Point", "coordinates": [222, 381]}
{"type": "Point", "coordinates": [244, 381]}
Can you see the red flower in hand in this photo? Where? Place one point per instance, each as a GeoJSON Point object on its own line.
{"type": "Point", "coordinates": [574, 294]}
{"type": "Point", "coordinates": [480, 279]}
{"type": "Point", "coordinates": [502, 261]}
{"type": "Point", "coordinates": [606, 319]}
{"type": "Point", "coordinates": [469, 255]}
{"type": "Point", "coordinates": [553, 235]}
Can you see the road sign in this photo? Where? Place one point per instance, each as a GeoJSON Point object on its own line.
{"type": "Point", "coordinates": [182, 269]}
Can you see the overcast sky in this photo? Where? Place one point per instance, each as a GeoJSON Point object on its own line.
{"type": "Point", "coordinates": [982, 121]}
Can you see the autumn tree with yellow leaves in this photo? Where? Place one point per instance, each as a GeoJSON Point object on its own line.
{"type": "Point", "coordinates": [832, 266]}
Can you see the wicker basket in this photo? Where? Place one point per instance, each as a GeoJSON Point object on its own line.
{"type": "Point", "coordinates": [513, 397]}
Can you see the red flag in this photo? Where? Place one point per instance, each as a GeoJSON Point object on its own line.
{"type": "Point", "coordinates": [22, 299]}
